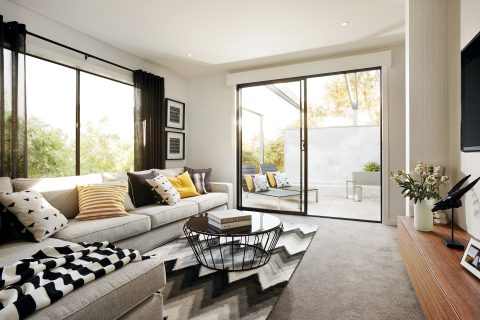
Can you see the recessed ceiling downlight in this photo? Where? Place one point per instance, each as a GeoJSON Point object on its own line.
{"type": "Point", "coordinates": [189, 54]}
{"type": "Point", "coordinates": [345, 23]}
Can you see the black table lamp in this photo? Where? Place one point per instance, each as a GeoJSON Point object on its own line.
{"type": "Point", "coordinates": [452, 201]}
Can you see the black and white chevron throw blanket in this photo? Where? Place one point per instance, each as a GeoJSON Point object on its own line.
{"type": "Point", "coordinates": [53, 272]}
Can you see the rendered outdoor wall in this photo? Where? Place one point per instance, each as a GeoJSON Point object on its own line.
{"type": "Point", "coordinates": [333, 153]}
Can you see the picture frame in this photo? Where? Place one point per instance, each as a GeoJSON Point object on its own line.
{"type": "Point", "coordinates": [175, 145]}
{"type": "Point", "coordinates": [175, 114]}
{"type": "Point", "coordinates": [471, 257]}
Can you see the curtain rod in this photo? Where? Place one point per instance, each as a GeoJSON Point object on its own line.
{"type": "Point", "coordinates": [87, 55]}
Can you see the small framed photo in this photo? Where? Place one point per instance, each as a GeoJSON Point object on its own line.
{"type": "Point", "coordinates": [471, 257]}
{"type": "Point", "coordinates": [175, 114]}
{"type": "Point", "coordinates": [175, 145]}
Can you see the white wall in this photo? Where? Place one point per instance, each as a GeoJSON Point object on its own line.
{"type": "Point", "coordinates": [212, 126]}
{"type": "Point", "coordinates": [175, 85]}
{"type": "Point", "coordinates": [464, 24]}
{"type": "Point", "coordinates": [330, 153]}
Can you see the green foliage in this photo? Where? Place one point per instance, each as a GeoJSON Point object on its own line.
{"type": "Point", "coordinates": [275, 152]}
{"type": "Point", "coordinates": [101, 152]}
{"type": "Point", "coordinates": [371, 166]}
{"type": "Point", "coordinates": [50, 154]}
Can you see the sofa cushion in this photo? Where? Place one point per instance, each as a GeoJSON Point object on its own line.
{"type": "Point", "coordinates": [35, 218]}
{"type": "Point", "coordinates": [208, 201]}
{"type": "Point", "coordinates": [111, 229]}
{"type": "Point", "coordinates": [163, 214]}
{"type": "Point", "coordinates": [5, 184]}
{"type": "Point", "coordinates": [15, 250]}
{"type": "Point", "coordinates": [110, 296]}
{"type": "Point", "coordinates": [139, 190]}
{"type": "Point", "coordinates": [60, 192]}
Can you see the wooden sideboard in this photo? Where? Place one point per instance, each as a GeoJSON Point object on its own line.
{"type": "Point", "coordinates": [444, 288]}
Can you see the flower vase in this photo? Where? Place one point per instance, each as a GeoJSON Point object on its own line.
{"type": "Point", "coordinates": [423, 215]}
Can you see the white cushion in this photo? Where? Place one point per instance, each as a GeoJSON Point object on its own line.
{"type": "Point", "coordinates": [164, 189]}
{"type": "Point", "coordinates": [260, 182]}
{"type": "Point", "coordinates": [39, 219]}
{"type": "Point", "coordinates": [281, 179]}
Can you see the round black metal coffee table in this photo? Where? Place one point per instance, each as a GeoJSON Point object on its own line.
{"type": "Point", "coordinates": [234, 250]}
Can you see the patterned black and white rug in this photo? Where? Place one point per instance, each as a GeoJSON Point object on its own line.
{"type": "Point", "coordinates": [195, 292]}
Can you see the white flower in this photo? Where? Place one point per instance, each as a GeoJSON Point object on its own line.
{"type": "Point", "coordinates": [420, 168]}
{"type": "Point", "coordinates": [444, 179]}
{"type": "Point", "coordinates": [431, 180]}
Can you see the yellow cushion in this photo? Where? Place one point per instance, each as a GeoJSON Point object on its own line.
{"type": "Point", "coordinates": [184, 185]}
{"type": "Point", "coordinates": [271, 179]}
{"type": "Point", "coordinates": [101, 201]}
{"type": "Point", "coordinates": [249, 181]}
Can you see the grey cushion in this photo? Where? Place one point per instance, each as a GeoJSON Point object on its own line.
{"type": "Point", "coordinates": [152, 308]}
{"type": "Point", "coordinates": [15, 250]}
{"type": "Point", "coordinates": [163, 214]}
{"type": "Point", "coordinates": [208, 201]}
{"type": "Point", "coordinates": [110, 296]}
{"type": "Point", "coordinates": [5, 184]}
{"type": "Point", "coordinates": [110, 229]}
{"type": "Point", "coordinates": [61, 192]}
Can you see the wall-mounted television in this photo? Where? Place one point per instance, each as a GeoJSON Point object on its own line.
{"type": "Point", "coordinates": [470, 127]}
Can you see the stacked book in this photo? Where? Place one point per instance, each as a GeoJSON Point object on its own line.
{"type": "Point", "coordinates": [229, 220]}
{"type": "Point", "coordinates": [441, 217]}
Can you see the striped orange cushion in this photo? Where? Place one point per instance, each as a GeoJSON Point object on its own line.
{"type": "Point", "coordinates": [101, 201]}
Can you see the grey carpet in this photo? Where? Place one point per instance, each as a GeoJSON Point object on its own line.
{"type": "Point", "coordinates": [196, 292]}
{"type": "Point", "coordinates": [352, 270]}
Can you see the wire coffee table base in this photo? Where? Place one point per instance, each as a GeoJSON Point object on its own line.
{"type": "Point", "coordinates": [235, 252]}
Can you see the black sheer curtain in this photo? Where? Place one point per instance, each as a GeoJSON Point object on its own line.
{"type": "Point", "coordinates": [149, 117]}
{"type": "Point", "coordinates": [13, 127]}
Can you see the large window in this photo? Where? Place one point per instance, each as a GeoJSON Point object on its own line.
{"type": "Point", "coordinates": [106, 117]}
{"type": "Point", "coordinates": [67, 139]}
{"type": "Point", "coordinates": [51, 115]}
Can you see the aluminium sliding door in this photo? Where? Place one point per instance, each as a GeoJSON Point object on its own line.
{"type": "Point", "coordinates": [270, 142]}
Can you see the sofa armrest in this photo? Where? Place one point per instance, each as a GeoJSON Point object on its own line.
{"type": "Point", "coordinates": [225, 187]}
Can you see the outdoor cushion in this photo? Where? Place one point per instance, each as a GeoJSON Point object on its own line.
{"type": "Point", "coordinates": [60, 192]}
{"type": "Point", "coordinates": [163, 214]}
{"type": "Point", "coordinates": [5, 184]}
{"type": "Point", "coordinates": [111, 229]}
{"type": "Point", "coordinates": [208, 201]}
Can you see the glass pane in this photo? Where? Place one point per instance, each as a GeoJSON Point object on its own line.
{"type": "Point", "coordinates": [51, 118]}
{"type": "Point", "coordinates": [271, 144]}
{"type": "Point", "coordinates": [106, 132]}
{"type": "Point", "coordinates": [344, 144]}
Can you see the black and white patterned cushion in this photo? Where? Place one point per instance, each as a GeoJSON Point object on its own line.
{"type": "Point", "coordinates": [165, 189]}
{"type": "Point", "coordinates": [199, 182]}
{"type": "Point", "coordinates": [36, 218]}
{"type": "Point", "coordinates": [260, 182]}
{"type": "Point", "coordinates": [281, 179]}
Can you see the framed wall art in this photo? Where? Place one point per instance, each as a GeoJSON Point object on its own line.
{"type": "Point", "coordinates": [175, 117]}
{"type": "Point", "coordinates": [175, 145]}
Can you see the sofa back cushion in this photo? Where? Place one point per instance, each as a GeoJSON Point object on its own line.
{"type": "Point", "coordinates": [5, 184]}
{"type": "Point", "coordinates": [60, 192]}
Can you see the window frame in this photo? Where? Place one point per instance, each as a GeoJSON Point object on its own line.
{"type": "Point", "coordinates": [78, 72]}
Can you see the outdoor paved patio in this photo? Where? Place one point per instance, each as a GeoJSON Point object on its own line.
{"type": "Point", "coordinates": [339, 207]}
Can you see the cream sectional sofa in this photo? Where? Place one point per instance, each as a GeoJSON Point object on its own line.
{"type": "Point", "coordinates": [130, 292]}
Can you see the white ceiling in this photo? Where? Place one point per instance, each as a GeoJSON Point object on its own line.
{"type": "Point", "coordinates": [228, 34]}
